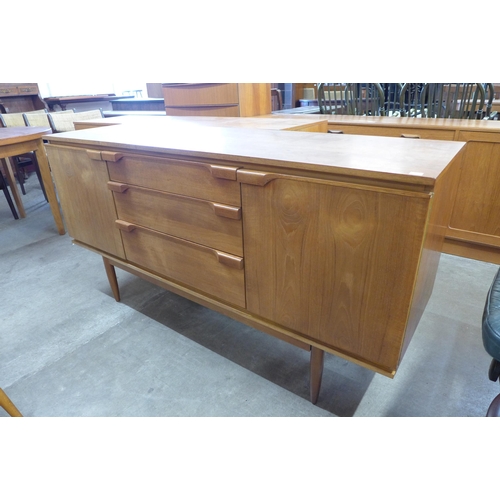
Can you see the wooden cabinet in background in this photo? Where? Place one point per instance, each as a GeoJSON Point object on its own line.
{"type": "Point", "coordinates": [217, 99]}
{"type": "Point", "coordinates": [20, 97]}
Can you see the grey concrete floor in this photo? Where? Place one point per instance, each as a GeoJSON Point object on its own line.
{"type": "Point", "coordinates": [67, 348]}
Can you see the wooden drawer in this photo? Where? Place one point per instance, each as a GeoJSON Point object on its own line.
{"type": "Point", "coordinates": [204, 222]}
{"type": "Point", "coordinates": [210, 271]}
{"type": "Point", "coordinates": [27, 89]}
{"type": "Point", "coordinates": [196, 94]}
{"type": "Point", "coordinates": [415, 133]}
{"type": "Point", "coordinates": [228, 110]}
{"type": "Point", "coordinates": [6, 90]}
{"type": "Point", "coordinates": [467, 136]}
{"type": "Point", "coordinates": [197, 180]}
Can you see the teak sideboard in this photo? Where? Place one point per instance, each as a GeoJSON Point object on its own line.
{"type": "Point", "coordinates": [328, 242]}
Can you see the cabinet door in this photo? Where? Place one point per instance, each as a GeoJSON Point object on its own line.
{"type": "Point", "coordinates": [477, 204]}
{"type": "Point", "coordinates": [335, 263]}
{"type": "Point", "coordinates": [87, 203]}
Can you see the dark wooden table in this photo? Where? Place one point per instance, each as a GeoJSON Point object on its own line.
{"type": "Point", "coordinates": [64, 101]}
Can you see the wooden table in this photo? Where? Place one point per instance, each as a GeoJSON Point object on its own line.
{"type": "Point", "coordinates": [138, 104]}
{"type": "Point", "coordinates": [64, 101]}
{"type": "Point", "coordinates": [14, 141]}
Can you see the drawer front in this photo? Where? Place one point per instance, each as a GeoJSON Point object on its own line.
{"type": "Point", "coordinates": [204, 222]}
{"type": "Point", "coordinates": [196, 94]}
{"type": "Point", "coordinates": [420, 133]}
{"type": "Point", "coordinates": [6, 90]}
{"type": "Point", "coordinates": [28, 89]}
{"type": "Point", "coordinates": [229, 110]}
{"type": "Point", "coordinates": [197, 180]}
{"type": "Point", "coordinates": [467, 136]}
{"type": "Point", "coordinates": [215, 273]}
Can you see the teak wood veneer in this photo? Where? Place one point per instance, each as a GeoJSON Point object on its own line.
{"type": "Point", "coordinates": [328, 242]}
{"type": "Point", "coordinates": [474, 230]}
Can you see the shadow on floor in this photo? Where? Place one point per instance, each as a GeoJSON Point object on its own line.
{"type": "Point", "coordinates": [344, 383]}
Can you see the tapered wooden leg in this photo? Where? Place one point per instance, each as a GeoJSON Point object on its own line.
{"type": "Point", "coordinates": [8, 405]}
{"type": "Point", "coordinates": [111, 274]}
{"type": "Point", "coordinates": [317, 357]}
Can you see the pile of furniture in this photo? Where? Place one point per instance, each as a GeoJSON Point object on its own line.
{"type": "Point", "coordinates": [425, 100]}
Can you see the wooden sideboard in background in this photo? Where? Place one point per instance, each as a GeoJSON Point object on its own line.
{"type": "Point", "coordinates": [217, 99]}
{"type": "Point", "coordinates": [20, 97]}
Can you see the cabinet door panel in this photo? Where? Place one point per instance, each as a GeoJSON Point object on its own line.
{"type": "Point", "coordinates": [87, 204]}
{"type": "Point", "coordinates": [336, 264]}
{"type": "Point", "coordinates": [477, 205]}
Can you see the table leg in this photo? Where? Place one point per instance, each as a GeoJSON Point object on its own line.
{"type": "Point", "coordinates": [43, 164]}
{"type": "Point", "coordinates": [317, 357]}
{"type": "Point", "coordinates": [9, 174]}
{"type": "Point", "coordinates": [8, 405]}
{"type": "Point", "coordinates": [113, 282]}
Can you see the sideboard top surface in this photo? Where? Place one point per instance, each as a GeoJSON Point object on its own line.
{"type": "Point", "coordinates": [411, 122]}
{"type": "Point", "coordinates": [386, 158]}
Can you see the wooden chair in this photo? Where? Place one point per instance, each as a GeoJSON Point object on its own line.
{"type": "Point", "coordinates": [454, 100]}
{"type": "Point", "coordinates": [365, 99]}
{"type": "Point", "coordinates": [332, 98]}
{"type": "Point", "coordinates": [5, 189]}
{"type": "Point", "coordinates": [8, 405]}
{"type": "Point", "coordinates": [410, 100]}
{"type": "Point", "coordinates": [276, 99]}
{"type": "Point", "coordinates": [42, 119]}
{"type": "Point", "coordinates": [392, 95]}
{"type": "Point", "coordinates": [66, 122]}
{"type": "Point", "coordinates": [489, 90]}
{"type": "Point", "coordinates": [27, 159]}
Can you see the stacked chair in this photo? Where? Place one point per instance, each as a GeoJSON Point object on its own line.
{"type": "Point", "coordinates": [5, 190]}
{"type": "Point", "coordinates": [27, 159]}
{"type": "Point", "coordinates": [471, 101]}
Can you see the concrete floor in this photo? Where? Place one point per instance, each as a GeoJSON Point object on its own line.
{"type": "Point", "coordinates": [68, 349]}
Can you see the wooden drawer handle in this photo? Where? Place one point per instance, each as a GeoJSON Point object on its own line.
{"type": "Point", "coordinates": [128, 227]}
{"type": "Point", "coordinates": [221, 172]}
{"type": "Point", "coordinates": [117, 187]}
{"type": "Point", "coordinates": [256, 178]}
{"type": "Point", "coordinates": [110, 156]}
{"type": "Point", "coordinates": [335, 131]}
{"type": "Point", "coordinates": [229, 260]}
{"type": "Point", "coordinates": [226, 211]}
{"type": "Point", "coordinates": [410, 136]}
{"type": "Point", "coordinates": [94, 155]}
